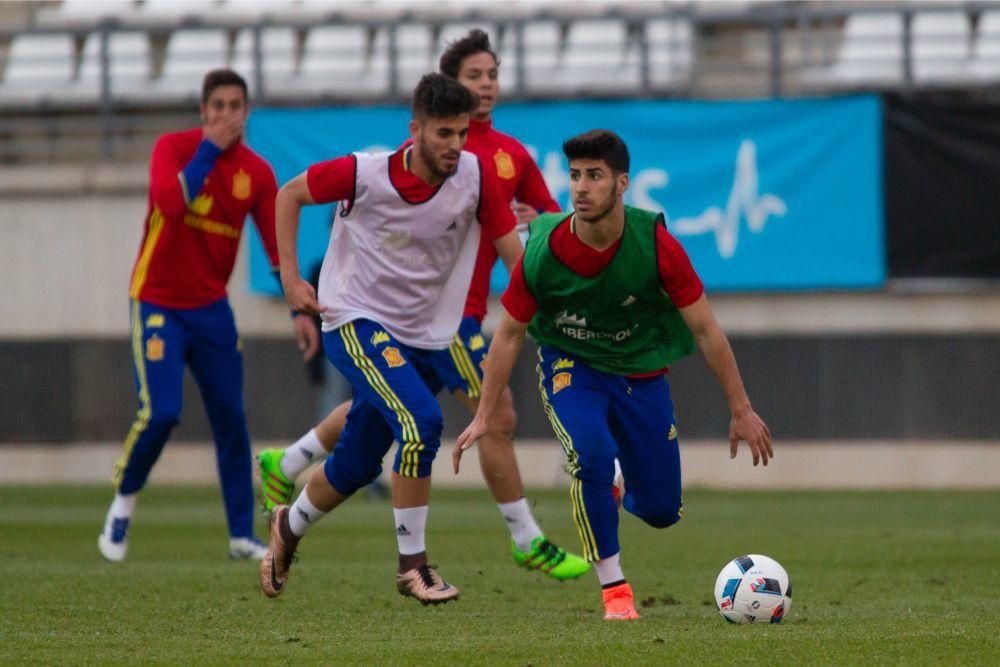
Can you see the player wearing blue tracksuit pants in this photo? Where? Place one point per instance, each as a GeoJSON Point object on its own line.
{"type": "Point", "coordinates": [164, 341]}
{"type": "Point", "coordinates": [597, 417]}
{"type": "Point", "coordinates": [394, 400]}
{"type": "Point", "coordinates": [612, 300]}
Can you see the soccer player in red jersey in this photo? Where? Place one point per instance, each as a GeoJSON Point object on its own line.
{"type": "Point", "coordinates": [203, 184]}
{"type": "Point", "coordinates": [612, 301]}
{"type": "Point", "coordinates": [473, 63]}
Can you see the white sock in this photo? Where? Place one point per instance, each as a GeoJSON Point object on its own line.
{"type": "Point", "coordinates": [306, 450]}
{"type": "Point", "coordinates": [521, 523]}
{"type": "Point", "coordinates": [303, 514]}
{"type": "Point", "coordinates": [609, 571]}
{"type": "Point", "coordinates": [410, 525]}
{"type": "Point", "coordinates": [121, 507]}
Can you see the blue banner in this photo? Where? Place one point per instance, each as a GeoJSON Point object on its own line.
{"type": "Point", "coordinates": [763, 195]}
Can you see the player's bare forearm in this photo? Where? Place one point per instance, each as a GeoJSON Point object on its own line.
{"type": "Point", "coordinates": [300, 295]}
{"type": "Point", "coordinates": [506, 345]}
{"type": "Point", "coordinates": [745, 425]}
{"type": "Point", "coordinates": [287, 207]}
{"type": "Point", "coordinates": [504, 350]}
{"type": "Point", "coordinates": [718, 354]}
{"type": "Point", "coordinates": [509, 248]}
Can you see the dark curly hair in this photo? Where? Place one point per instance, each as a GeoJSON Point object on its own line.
{"type": "Point", "coordinates": [599, 145]}
{"type": "Point", "coordinates": [477, 41]}
{"type": "Point", "coordinates": [221, 77]}
{"type": "Point", "coordinates": [440, 96]}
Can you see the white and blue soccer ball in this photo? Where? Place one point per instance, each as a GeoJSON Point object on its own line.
{"type": "Point", "coordinates": [753, 589]}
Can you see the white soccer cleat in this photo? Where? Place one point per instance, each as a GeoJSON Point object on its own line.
{"type": "Point", "coordinates": [113, 542]}
{"type": "Point", "coordinates": [246, 548]}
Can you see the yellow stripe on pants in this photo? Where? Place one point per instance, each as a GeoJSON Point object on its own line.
{"type": "Point", "coordinates": [583, 526]}
{"type": "Point", "coordinates": [145, 405]}
{"type": "Point", "coordinates": [411, 445]}
{"type": "Point", "coordinates": [466, 367]}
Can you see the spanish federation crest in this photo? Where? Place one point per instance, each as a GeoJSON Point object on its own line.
{"type": "Point", "coordinates": [393, 357]}
{"type": "Point", "coordinates": [155, 348]}
{"type": "Point", "coordinates": [505, 165]}
{"type": "Point", "coordinates": [241, 185]}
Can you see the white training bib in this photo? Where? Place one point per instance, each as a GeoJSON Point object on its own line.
{"type": "Point", "coordinates": [406, 266]}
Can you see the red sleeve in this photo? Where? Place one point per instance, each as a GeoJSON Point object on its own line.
{"type": "Point", "coordinates": [494, 211]}
{"type": "Point", "coordinates": [532, 189]}
{"type": "Point", "coordinates": [517, 299]}
{"type": "Point", "coordinates": [263, 213]}
{"type": "Point", "coordinates": [332, 180]}
{"type": "Point", "coordinates": [164, 182]}
{"type": "Point", "coordinates": [678, 277]}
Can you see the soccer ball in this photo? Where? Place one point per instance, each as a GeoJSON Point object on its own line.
{"type": "Point", "coordinates": [753, 589]}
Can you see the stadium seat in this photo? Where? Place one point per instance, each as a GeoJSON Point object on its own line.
{"type": "Point", "coordinates": [189, 54]}
{"type": "Point", "coordinates": [278, 58]}
{"type": "Point", "coordinates": [85, 12]}
{"type": "Point", "coordinates": [543, 50]}
{"type": "Point", "coordinates": [670, 51]}
{"type": "Point", "coordinates": [343, 60]}
{"type": "Point", "coordinates": [985, 63]}
{"type": "Point", "coordinates": [600, 57]}
{"type": "Point", "coordinates": [418, 53]}
{"type": "Point", "coordinates": [871, 52]}
{"type": "Point", "coordinates": [171, 10]}
{"type": "Point", "coordinates": [39, 68]}
{"type": "Point", "coordinates": [941, 42]}
{"type": "Point", "coordinates": [129, 60]}
{"type": "Point", "coordinates": [249, 10]}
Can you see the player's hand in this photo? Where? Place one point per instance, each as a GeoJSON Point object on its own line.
{"type": "Point", "coordinates": [747, 426]}
{"type": "Point", "coordinates": [525, 214]}
{"type": "Point", "coordinates": [301, 296]}
{"type": "Point", "coordinates": [306, 335]}
{"type": "Point", "coordinates": [475, 431]}
{"type": "Point", "coordinates": [223, 132]}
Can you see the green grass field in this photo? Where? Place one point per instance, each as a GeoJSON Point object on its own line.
{"type": "Point", "coordinates": [904, 577]}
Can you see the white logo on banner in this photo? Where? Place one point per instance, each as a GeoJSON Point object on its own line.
{"type": "Point", "coordinates": [745, 199]}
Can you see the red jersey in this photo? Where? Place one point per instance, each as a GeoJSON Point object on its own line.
{"type": "Point", "coordinates": [519, 179]}
{"type": "Point", "coordinates": [334, 180]}
{"type": "Point", "coordinates": [677, 276]}
{"type": "Point", "coordinates": [188, 250]}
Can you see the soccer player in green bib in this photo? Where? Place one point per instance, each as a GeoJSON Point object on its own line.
{"type": "Point", "coordinates": [612, 301]}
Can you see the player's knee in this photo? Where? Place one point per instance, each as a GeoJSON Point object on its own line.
{"type": "Point", "coordinates": [429, 422]}
{"type": "Point", "coordinates": [229, 411]}
{"type": "Point", "coordinates": [164, 419]}
{"type": "Point", "coordinates": [664, 516]}
{"type": "Point", "coordinates": [348, 476]}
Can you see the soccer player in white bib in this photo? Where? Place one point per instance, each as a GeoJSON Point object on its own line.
{"type": "Point", "coordinates": [391, 292]}
{"type": "Point", "coordinates": [473, 63]}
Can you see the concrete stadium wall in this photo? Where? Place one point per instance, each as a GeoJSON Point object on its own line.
{"type": "Point", "coordinates": [807, 387]}
{"type": "Point", "coordinates": [821, 367]}
{"type": "Point", "coordinates": [705, 464]}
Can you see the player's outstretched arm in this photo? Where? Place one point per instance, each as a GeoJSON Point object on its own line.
{"type": "Point", "coordinates": [745, 424]}
{"type": "Point", "coordinates": [510, 249]}
{"type": "Point", "coordinates": [504, 348]}
{"type": "Point", "coordinates": [299, 294]}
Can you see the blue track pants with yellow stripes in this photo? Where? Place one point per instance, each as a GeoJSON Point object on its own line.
{"type": "Point", "coordinates": [164, 341]}
{"type": "Point", "coordinates": [597, 417]}
{"type": "Point", "coordinates": [394, 399]}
